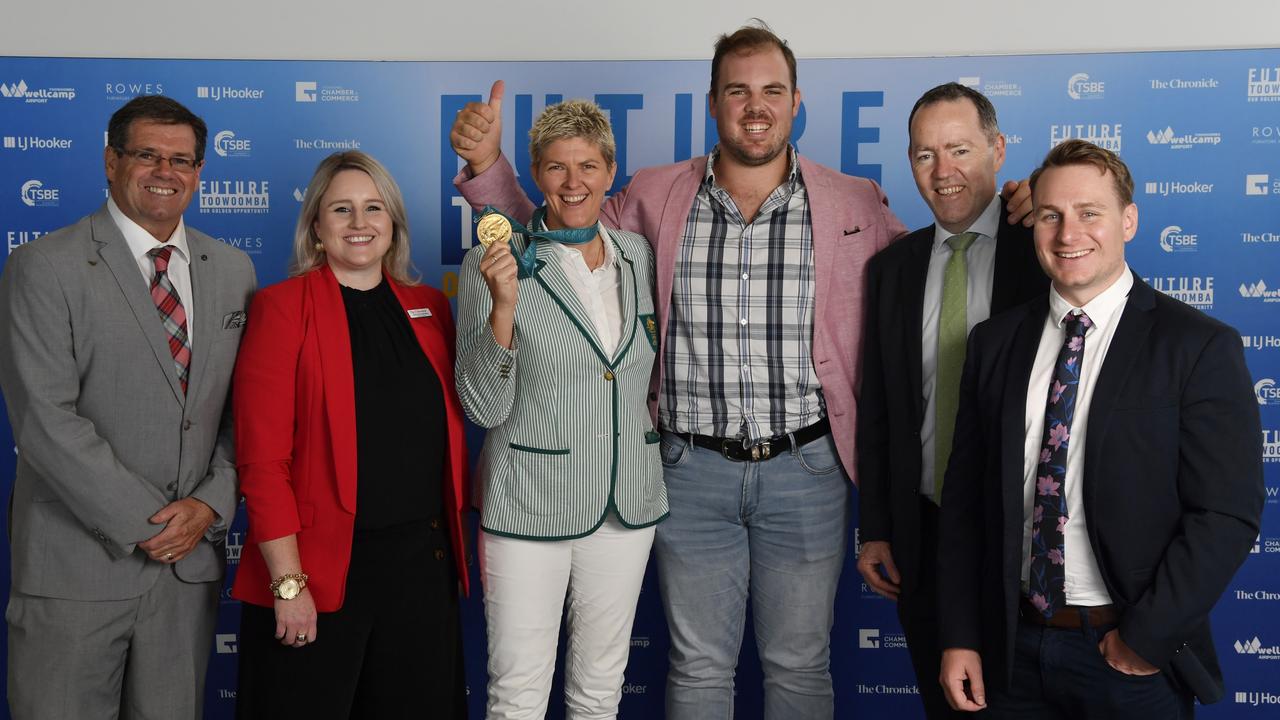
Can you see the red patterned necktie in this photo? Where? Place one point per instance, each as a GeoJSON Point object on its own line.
{"type": "Point", "coordinates": [171, 313]}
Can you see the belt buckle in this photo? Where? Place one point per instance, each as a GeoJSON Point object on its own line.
{"type": "Point", "coordinates": [761, 451]}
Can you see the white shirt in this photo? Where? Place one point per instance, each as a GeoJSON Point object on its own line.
{"type": "Point", "coordinates": [597, 290]}
{"type": "Point", "coordinates": [981, 262]}
{"type": "Point", "coordinates": [141, 242]}
{"type": "Point", "coordinates": [1084, 585]}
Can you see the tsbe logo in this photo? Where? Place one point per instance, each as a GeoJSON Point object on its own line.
{"type": "Point", "coordinates": [21, 237]}
{"type": "Point", "coordinates": [992, 88]}
{"type": "Point", "coordinates": [33, 142]}
{"type": "Point", "coordinates": [21, 91]}
{"type": "Point", "coordinates": [1265, 135]}
{"type": "Point", "coordinates": [1194, 291]}
{"type": "Point", "coordinates": [1173, 239]}
{"type": "Point", "coordinates": [1255, 647]}
{"type": "Point", "coordinates": [1081, 87]}
{"type": "Point", "coordinates": [1104, 135]}
{"type": "Point", "coordinates": [131, 89]}
{"type": "Point", "coordinates": [234, 196]}
{"type": "Point", "coordinates": [1261, 184]}
{"type": "Point", "coordinates": [1185, 141]}
{"type": "Point", "coordinates": [1182, 84]}
{"type": "Point", "coordinates": [1270, 445]}
{"type": "Point", "coordinates": [1177, 187]}
{"type": "Point", "coordinates": [309, 91]}
{"type": "Point", "coordinates": [1259, 291]}
{"type": "Point", "coordinates": [35, 194]}
{"type": "Point", "coordinates": [1264, 84]}
{"type": "Point", "coordinates": [226, 144]}
{"type": "Point", "coordinates": [218, 93]}
{"type": "Point", "coordinates": [1267, 392]}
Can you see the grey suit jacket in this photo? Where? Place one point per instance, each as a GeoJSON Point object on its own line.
{"type": "Point", "coordinates": [104, 433]}
{"type": "Point", "coordinates": [570, 435]}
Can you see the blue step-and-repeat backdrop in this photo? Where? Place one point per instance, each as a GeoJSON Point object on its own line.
{"type": "Point", "coordinates": [1201, 131]}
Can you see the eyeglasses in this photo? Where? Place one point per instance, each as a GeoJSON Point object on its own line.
{"type": "Point", "coordinates": [146, 158]}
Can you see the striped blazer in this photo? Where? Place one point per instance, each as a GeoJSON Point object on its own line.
{"type": "Point", "coordinates": [570, 436]}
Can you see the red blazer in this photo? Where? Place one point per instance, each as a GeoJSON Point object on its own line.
{"type": "Point", "coordinates": [294, 402]}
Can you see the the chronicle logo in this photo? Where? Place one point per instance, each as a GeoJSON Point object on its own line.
{"type": "Point", "coordinates": [1081, 87]}
{"type": "Point", "coordinates": [1267, 392]}
{"type": "Point", "coordinates": [1264, 84]}
{"type": "Point", "coordinates": [1104, 135]}
{"type": "Point", "coordinates": [1252, 238]}
{"type": "Point", "coordinates": [226, 144]}
{"type": "Point", "coordinates": [1181, 84]}
{"type": "Point", "coordinates": [1252, 595]}
{"type": "Point", "coordinates": [32, 142]}
{"type": "Point", "coordinates": [1259, 291]}
{"type": "Point", "coordinates": [1255, 647]}
{"type": "Point", "coordinates": [21, 237]}
{"type": "Point", "coordinates": [1173, 239]}
{"type": "Point", "coordinates": [226, 92]}
{"type": "Point", "coordinates": [35, 194]}
{"type": "Point", "coordinates": [1194, 291]}
{"type": "Point", "coordinates": [21, 91]}
{"type": "Point", "coordinates": [324, 144]}
{"type": "Point", "coordinates": [309, 91]}
{"type": "Point", "coordinates": [234, 196]}
{"type": "Point", "coordinates": [1177, 187]}
{"type": "Point", "coordinates": [130, 90]}
{"type": "Point", "coordinates": [1185, 141]}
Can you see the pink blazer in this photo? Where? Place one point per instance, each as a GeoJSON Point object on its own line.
{"type": "Point", "coordinates": [851, 221]}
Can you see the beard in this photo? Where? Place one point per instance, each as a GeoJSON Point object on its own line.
{"type": "Point", "coordinates": [755, 155]}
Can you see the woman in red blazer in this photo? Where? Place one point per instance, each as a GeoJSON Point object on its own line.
{"type": "Point", "coordinates": [353, 464]}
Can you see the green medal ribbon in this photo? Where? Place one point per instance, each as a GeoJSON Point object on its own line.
{"type": "Point", "coordinates": [527, 262]}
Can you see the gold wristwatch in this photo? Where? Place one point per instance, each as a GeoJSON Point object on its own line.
{"type": "Point", "coordinates": [287, 587]}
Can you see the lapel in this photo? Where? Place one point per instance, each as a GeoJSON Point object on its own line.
{"type": "Point", "coordinates": [826, 232]}
{"type": "Point", "coordinates": [1013, 412]}
{"type": "Point", "coordinates": [913, 276]}
{"type": "Point", "coordinates": [114, 251]}
{"type": "Point", "coordinates": [204, 284]}
{"type": "Point", "coordinates": [430, 337]}
{"type": "Point", "coordinates": [670, 231]}
{"type": "Point", "coordinates": [630, 297]}
{"type": "Point", "coordinates": [329, 316]}
{"type": "Point", "coordinates": [1126, 346]}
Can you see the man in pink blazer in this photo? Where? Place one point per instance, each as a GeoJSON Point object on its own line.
{"type": "Point", "coordinates": [761, 257]}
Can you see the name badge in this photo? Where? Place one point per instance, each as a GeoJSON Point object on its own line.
{"type": "Point", "coordinates": [419, 312]}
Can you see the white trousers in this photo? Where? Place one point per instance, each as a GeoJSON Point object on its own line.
{"type": "Point", "coordinates": [528, 585]}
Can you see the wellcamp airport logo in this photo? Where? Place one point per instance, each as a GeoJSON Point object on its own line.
{"type": "Point", "coordinates": [1264, 84]}
{"type": "Point", "coordinates": [20, 237]}
{"type": "Point", "coordinates": [1266, 392]}
{"type": "Point", "coordinates": [1194, 291]}
{"type": "Point", "coordinates": [1174, 240]}
{"type": "Point", "coordinates": [1184, 84]}
{"type": "Point", "coordinates": [234, 196]}
{"type": "Point", "coordinates": [1259, 291]}
{"type": "Point", "coordinates": [32, 142]}
{"type": "Point", "coordinates": [21, 91]}
{"type": "Point", "coordinates": [1104, 135]}
{"type": "Point", "coordinates": [1185, 141]}
{"type": "Point", "coordinates": [35, 194]}
{"type": "Point", "coordinates": [309, 91]}
{"type": "Point", "coordinates": [991, 88]}
{"type": "Point", "coordinates": [1081, 87]}
{"type": "Point", "coordinates": [226, 144]}
{"type": "Point", "coordinates": [1177, 187]}
{"type": "Point", "coordinates": [1257, 649]}
{"type": "Point", "coordinates": [218, 93]}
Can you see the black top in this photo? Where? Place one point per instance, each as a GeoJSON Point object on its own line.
{"type": "Point", "coordinates": [400, 416]}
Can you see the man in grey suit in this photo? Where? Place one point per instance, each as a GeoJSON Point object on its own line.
{"type": "Point", "coordinates": [118, 335]}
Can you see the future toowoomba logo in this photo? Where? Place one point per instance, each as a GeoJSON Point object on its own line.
{"type": "Point", "coordinates": [1105, 135]}
{"type": "Point", "coordinates": [234, 196]}
{"type": "Point", "coordinates": [1194, 291]}
{"type": "Point", "coordinates": [1264, 84]}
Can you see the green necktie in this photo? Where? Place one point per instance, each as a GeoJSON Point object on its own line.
{"type": "Point", "coordinates": [953, 330]}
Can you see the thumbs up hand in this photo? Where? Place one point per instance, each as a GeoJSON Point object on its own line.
{"type": "Point", "coordinates": [477, 131]}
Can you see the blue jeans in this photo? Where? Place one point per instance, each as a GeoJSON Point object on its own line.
{"type": "Point", "coordinates": [775, 530]}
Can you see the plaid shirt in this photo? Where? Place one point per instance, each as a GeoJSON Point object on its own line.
{"type": "Point", "coordinates": [736, 357]}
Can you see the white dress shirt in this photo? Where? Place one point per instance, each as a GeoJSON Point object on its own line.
{"type": "Point", "coordinates": [1084, 585]}
{"type": "Point", "coordinates": [598, 290]}
{"type": "Point", "coordinates": [981, 261]}
{"type": "Point", "coordinates": [142, 242]}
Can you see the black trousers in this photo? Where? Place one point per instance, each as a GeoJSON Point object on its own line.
{"type": "Point", "coordinates": [918, 613]}
{"type": "Point", "coordinates": [393, 650]}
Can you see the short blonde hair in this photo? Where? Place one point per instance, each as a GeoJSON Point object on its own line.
{"type": "Point", "coordinates": [396, 263]}
{"type": "Point", "coordinates": [572, 119]}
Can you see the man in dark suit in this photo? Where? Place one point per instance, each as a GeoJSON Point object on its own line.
{"type": "Point", "coordinates": [1105, 482]}
{"type": "Point", "coordinates": [955, 150]}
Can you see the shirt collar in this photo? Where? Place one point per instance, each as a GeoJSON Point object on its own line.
{"type": "Point", "coordinates": [564, 251]}
{"type": "Point", "coordinates": [1101, 309]}
{"type": "Point", "coordinates": [140, 241]}
{"type": "Point", "coordinates": [987, 225]}
{"type": "Point", "coordinates": [793, 167]}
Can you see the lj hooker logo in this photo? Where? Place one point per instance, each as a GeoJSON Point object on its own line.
{"type": "Point", "coordinates": [234, 196]}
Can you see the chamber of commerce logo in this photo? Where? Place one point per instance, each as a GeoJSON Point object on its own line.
{"type": "Point", "coordinates": [1265, 135]}
{"type": "Point", "coordinates": [1104, 135]}
{"type": "Point", "coordinates": [873, 639]}
{"type": "Point", "coordinates": [1264, 84]}
{"type": "Point", "coordinates": [1081, 87]}
{"type": "Point", "coordinates": [1267, 392]}
{"type": "Point", "coordinates": [323, 144]}
{"type": "Point", "coordinates": [309, 91]}
{"type": "Point", "coordinates": [1183, 84]}
{"type": "Point", "coordinates": [1259, 237]}
{"type": "Point", "coordinates": [1173, 239]}
{"type": "Point", "coordinates": [32, 142]}
{"type": "Point", "coordinates": [234, 196]}
{"type": "Point", "coordinates": [35, 194]}
{"type": "Point", "coordinates": [226, 92]}
{"type": "Point", "coordinates": [1261, 184]}
{"type": "Point", "coordinates": [1194, 291]}
{"type": "Point", "coordinates": [991, 88]}
{"type": "Point", "coordinates": [129, 90]}
{"type": "Point", "coordinates": [226, 144]}
{"type": "Point", "coordinates": [21, 237]}
{"type": "Point", "coordinates": [1257, 697]}
{"type": "Point", "coordinates": [1185, 141]}
{"type": "Point", "coordinates": [1177, 187]}
{"type": "Point", "coordinates": [225, 643]}
{"type": "Point", "coordinates": [21, 91]}
{"type": "Point", "coordinates": [1255, 647]}
{"type": "Point", "coordinates": [1259, 291]}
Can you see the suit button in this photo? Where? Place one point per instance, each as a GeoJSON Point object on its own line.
{"type": "Point", "coordinates": [435, 524]}
{"type": "Point", "coordinates": [171, 486]}
{"type": "Point", "coordinates": [186, 424]}
{"type": "Point", "coordinates": [608, 375]}
{"type": "Point", "coordinates": [653, 397]}
{"type": "Point", "coordinates": [439, 554]}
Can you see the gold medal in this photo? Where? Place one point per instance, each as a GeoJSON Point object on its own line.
{"type": "Point", "coordinates": [493, 228]}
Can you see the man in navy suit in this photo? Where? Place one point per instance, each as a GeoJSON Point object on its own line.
{"type": "Point", "coordinates": [1105, 480]}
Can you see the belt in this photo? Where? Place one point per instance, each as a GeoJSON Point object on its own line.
{"type": "Point", "coordinates": [1071, 617]}
{"type": "Point", "coordinates": [735, 449]}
